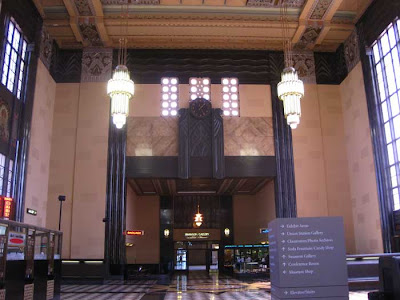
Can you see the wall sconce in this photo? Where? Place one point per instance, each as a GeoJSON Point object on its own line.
{"type": "Point", "coordinates": [227, 232]}
{"type": "Point", "coordinates": [166, 233]}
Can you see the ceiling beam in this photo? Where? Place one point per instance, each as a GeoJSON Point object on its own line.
{"type": "Point", "coordinates": [39, 6]}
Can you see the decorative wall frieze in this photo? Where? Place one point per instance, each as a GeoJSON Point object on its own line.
{"type": "Point", "coordinates": [304, 63]}
{"type": "Point", "coordinates": [320, 8]}
{"type": "Point", "coordinates": [351, 51]}
{"type": "Point", "coordinates": [84, 7]}
{"type": "Point", "coordinates": [274, 3]}
{"type": "Point", "coordinates": [46, 48]}
{"type": "Point", "coordinates": [96, 64]}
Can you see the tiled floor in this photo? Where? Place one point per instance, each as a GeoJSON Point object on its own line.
{"type": "Point", "coordinates": [195, 286]}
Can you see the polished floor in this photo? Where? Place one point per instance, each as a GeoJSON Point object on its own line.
{"type": "Point", "coordinates": [194, 286]}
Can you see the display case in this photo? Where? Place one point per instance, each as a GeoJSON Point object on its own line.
{"type": "Point", "coordinates": [247, 259]}
{"type": "Point", "coordinates": [28, 255]}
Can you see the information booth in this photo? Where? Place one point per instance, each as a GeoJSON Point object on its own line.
{"type": "Point", "coordinates": [30, 261]}
{"type": "Point", "coordinates": [247, 259]}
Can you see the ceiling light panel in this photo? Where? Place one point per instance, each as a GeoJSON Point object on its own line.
{"type": "Point", "coordinates": [230, 97]}
{"type": "Point", "coordinates": [169, 96]}
{"type": "Point", "coordinates": [200, 88]}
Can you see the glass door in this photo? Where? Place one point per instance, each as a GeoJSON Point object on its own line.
{"type": "Point", "coordinates": [181, 259]}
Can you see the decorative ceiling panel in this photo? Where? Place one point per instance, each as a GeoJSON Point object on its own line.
{"type": "Point", "coordinates": [137, 2]}
{"type": "Point", "coordinates": [275, 3]}
{"type": "Point", "coordinates": [320, 9]}
{"type": "Point", "coordinates": [84, 7]}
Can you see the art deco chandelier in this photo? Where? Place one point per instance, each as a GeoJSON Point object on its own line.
{"type": "Point", "coordinates": [198, 218]}
{"type": "Point", "coordinates": [291, 88]}
{"type": "Point", "coordinates": [120, 87]}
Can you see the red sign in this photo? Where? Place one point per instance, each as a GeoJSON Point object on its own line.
{"type": "Point", "coordinates": [7, 207]}
{"type": "Point", "coordinates": [134, 232]}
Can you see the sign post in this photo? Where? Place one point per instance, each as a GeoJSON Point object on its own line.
{"type": "Point", "coordinates": [308, 259]}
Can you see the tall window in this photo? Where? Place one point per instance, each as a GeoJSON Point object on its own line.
{"type": "Point", "coordinates": [230, 96]}
{"type": "Point", "coordinates": [10, 178]}
{"type": "Point", "coordinates": [200, 88]}
{"type": "Point", "coordinates": [169, 96]}
{"type": "Point", "coordinates": [14, 59]}
{"type": "Point", "coordinates": [387, 75]}
{"type": "Point", "coordinates": [2, 169]}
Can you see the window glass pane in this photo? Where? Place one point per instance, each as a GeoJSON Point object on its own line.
{"type": "Point", "coordinates": [392, 38]}
{"type": "Point", "coordinates": [16, 39]}
{"type": "Point", "coordinates": [396, 199]}
{"type": "Point", "coordinates": [23, 49]}
{"type": "Point", "coordinates": [385, 113]}
{"type": "Point", "coordinates": [390, 154]}
{"type": "Point", "coordinates": [389, 74]}
{"type": "Point", "coordinates": [382, 92]}
{"type": "Point", "coordinates": [388, 133]}
{"type": "Point", "coordinates": [396, 63]}
{"type": "Point", "coordinates": [377, 57]}
{"type": "Point", "coordinates": [396, 125]}
{"type": "Point", "coordinates": [10, 32]}
{"type": "Point", "coordinates": [385, 44]}
{"type": "Point", "coordinates": [394, 105]}
{"type": "Point", "coordinates": [393, 176]}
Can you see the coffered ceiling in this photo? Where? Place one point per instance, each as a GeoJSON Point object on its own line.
{"type": "Point", "coordinates": [319, 25]}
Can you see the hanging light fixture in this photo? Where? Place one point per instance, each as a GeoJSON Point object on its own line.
{"type": "Point", "coordinates": [198, 218]}
{"type": "Point", "coordinates": [120, 87]}
{"type": "Point", "coordinates": [291, 88]}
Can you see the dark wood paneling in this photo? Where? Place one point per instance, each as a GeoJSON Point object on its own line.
{"type": "Point", "coordinates": [250, 166]}
{"type": "Point", "coordinates": [167, 167]}
{"type": "Point", "coordinates": [227, 186]}
{"type": "Point", "coordinates": [285, 191]}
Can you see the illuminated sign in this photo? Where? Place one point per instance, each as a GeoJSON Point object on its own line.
{"type": "Point", "coordinates": [31, 211]}
{"type": "Point", "coordinates": [16, 239]}
{"type": "Point", "coordinates": [7, 207]}
{"type": "Point", "coordinates": [264, 230]}
{"type": "Point", "coordinates": [197, 235]}
{"type": "Point", "coordinates": [134, 232]}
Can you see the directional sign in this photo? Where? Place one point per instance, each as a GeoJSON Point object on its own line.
{"type": "Point", "coordinates": [308, 258]}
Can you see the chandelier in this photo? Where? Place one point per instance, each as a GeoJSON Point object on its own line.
{"type": "Point", "coordinates": [198, 218]}
{"type": "Point", "coordinates": [291, 88]}
{"type": "Point", "coordinates": [120, 87]}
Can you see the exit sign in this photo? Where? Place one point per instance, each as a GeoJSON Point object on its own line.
{"type": "Point", "coordinates": [134, 232]}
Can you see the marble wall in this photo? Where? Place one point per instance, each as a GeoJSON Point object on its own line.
{"type": "Point", "coordinates": [252, 212]}
{"type": "Point", "coordinates": [361, 169]}
{"type": "Point", "coordinates": [152, 136]}
{"type": "Point", "coordinates": [79, 167]}
{"type": "Point", "coordinates": [143, 213]}
{"type": "Point", "coordinates": [40, 147]}
{"type": "Point", "coordinates": [322, 185]}
{"type": "Point", "coordinates": [247, 136]}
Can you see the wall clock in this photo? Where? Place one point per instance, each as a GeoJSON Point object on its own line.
{"type": "Point", "coordinates": [200, 108]}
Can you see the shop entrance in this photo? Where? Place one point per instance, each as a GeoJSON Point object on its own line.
{"type": "Point", "coordinates": [195, 256]}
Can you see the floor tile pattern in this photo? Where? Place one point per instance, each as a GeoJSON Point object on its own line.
{"type": "Point", "coordinates": [194, 286]}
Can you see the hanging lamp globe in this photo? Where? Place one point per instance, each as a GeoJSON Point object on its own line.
{"type": "Point", "coordinates": [290, 91]}
{"type": "Point", "coordinates": [120, 88]}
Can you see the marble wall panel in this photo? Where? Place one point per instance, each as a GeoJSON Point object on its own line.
{"type": "Point", "coordinates": [152, 136]}
{"type": "Point", "coordinates": [37, 179]}
{"type": "Point", "coordinates": [362, 175]}
{"type": "Point", "coordinates": [248, 136]}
